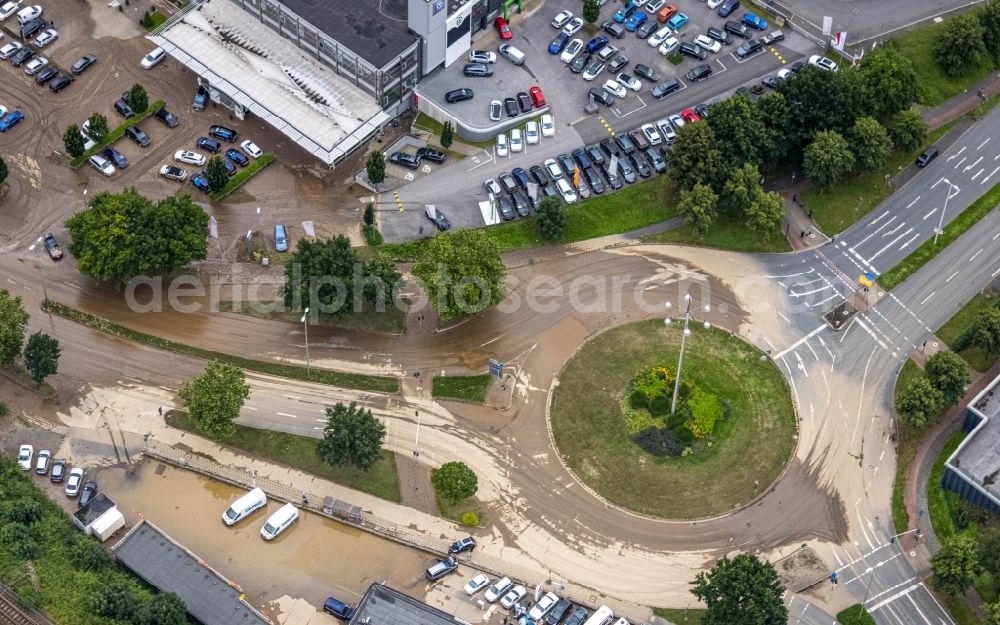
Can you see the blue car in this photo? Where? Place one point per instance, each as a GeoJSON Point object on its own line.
{"type": "Point", "coordinates": [677, 21]}
{"type": "Point", "coordinates": [596, 44]}
{"type": "Point", "coordinates": [209, 145]}
{"type": "Point", "coordinates": [280, 239]}
{"type": "Point", "coordinates": [638, 19]}
{"type": "Point", "coordinates": [753, 21]}
{"type": "Point", "coordinates": [116, 157]}
{"type": "Point", "coordinates": [626, 11]}
{"type": "Point", "coordinates": [230, 167]}
{"type": "Point", "coordinates": [10, 120]}
{"type": "Point", "coordinates": [237, 157]}
{"type": "Point", "coordinates": [558, 43]}
{"type": "Point", "coordinates": [200, 181]}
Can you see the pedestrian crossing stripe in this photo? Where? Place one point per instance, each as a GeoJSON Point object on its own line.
{"type": "Point", "coordinates": [606, 126]}
{"type": "Point", "coordinates": [778, 54]}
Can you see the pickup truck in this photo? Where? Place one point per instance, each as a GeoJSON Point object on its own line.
{"type": "Point", "coordinates": [199, 99]}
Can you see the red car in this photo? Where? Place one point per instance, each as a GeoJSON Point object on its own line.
{"type": "Point", "coordinates": [690, 116]}
{"type": "Point", "coordinates": [536, 97]}
{"type": "Point", "coordinates": [503, 28]}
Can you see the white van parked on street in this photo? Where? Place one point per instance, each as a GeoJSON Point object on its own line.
{"type": "Point", "coordinates": [244, 506]}
{"type": "Point", "coordinates": [279, 521]}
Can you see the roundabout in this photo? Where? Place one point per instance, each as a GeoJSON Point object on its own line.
{"type": "Point", "coordinates": [664, 465]}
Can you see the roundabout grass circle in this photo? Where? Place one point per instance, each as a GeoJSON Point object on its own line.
{"type": "Point", "coordinates": [590, 433]}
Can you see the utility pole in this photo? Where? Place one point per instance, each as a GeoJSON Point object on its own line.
{"type": "Point", "coordinates": [680, 360]}
{"type": "Point", "coordinates": [305, 325]}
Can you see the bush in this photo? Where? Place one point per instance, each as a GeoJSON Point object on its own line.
{"type": "Point", "coordinates": [675, 421]}
{"type": "Point", "coordinates": [684, 433]}
{"type": "Point", "coordinates": [372, 236]}
{"type": "Point", "coordinates": [3, 409]}
{"type": "Point", "coordinates": [659, 442]}
{"type": "Point", "coordinates": [637, 399]}
{"type": "Point", "coordinates": [727, 409]}
{"type": "Point", "coordinates": [855, 615]}
{"type": "Point", "coordinates": [25, 511]}
{"type": "Point", "coordinates": [659, 405]}
{"type": "Point", "coordinates": [369, 214]}
{"type": "Point", "coordinates": [470, 518]}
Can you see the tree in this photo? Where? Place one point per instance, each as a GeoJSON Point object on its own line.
{"type": "Point", "coordinates": [87, 554]}
{"type": "Point", "coordinates": [380, 278]}
{"type": "Point", "coordinates": [918, 402]}
{"type": "Point", "coordinates": [763, 216]}
{"type": "Point", "coordinates": [171, 235]}
{"type": "Point", "coordinates": [369, 214]}
{"type": "Point", "coordinates": [320, 275]}
{"type": "Point", "coordinates": [3, 171]}
{"type": "Point", "coordinates": [591, 11]}
{"type": "Point", "coordinates": [908, 130]}
{"type": "Point", "coordinates": [375, 167]}
{"type": "Point", "coordinates": [13, 321]}
{"type": "Point", "coordinates": [41, 356]}
{"type": "Point", "coordinates": [699, 206]}
{"type": "Point", "coordinates": [454, 482]}
{"type": "Point", "coordinates": [955, 564]}
{"type": "Point", "coordinates": [775, 114]}
{"type": "Point", "coordinates": [947, 372]}
{"type": "Point", "coordinates": [115, 599]}
{"type": "Point", "coordinates": [989, 18]}
{"type": "Point", "coordinates": [740, 189]}
{"type": "Point", "coordinates": [25, 511]}
{"type": "Point", "coordinates": [739, 125]}
{"type": "Point", "coordinates": [98, 128]}
{"type": "Point", "coordinates": [695, 157]}
{"type": "Point", "coordinates": [138, 99]}
{"type": "Point", "coordinates": [985, 331]}
{"type": "Point", "coordinates": [73, 141]}
{"type": "Point", "coordinates": [828, 158]}
{"type": "Point", "coordinates": [890, 78]}
{"type": "Point", "coordinates": [462, 273]}
{"type": "Point", "coordinates": [447, 135]}
{"type": "Point", "coordinates": [992, 611]}
{"type": "Point", "coordinates": [989, 549]}
{"type": "Point", "coordinates": [870, 143]}
{"type": "Point", "coordinates": [214, 399]}
{"type": "Point", "coordinates": [19, 541]}
{"type": "Point", "coordinates": [352, 436]}
{"type": "Point", "coordinates": [551, 218]}
{"type": "Point", "coordinates": [819, 100]}
{"type": "Point", "coordinates": [959, 44]}
{"type": "Point", "coordinates": [217, 174]}
{"type": "Point", "coordinates": [744, 590]}
{"type": "Point", "coordinates": [164, 608]}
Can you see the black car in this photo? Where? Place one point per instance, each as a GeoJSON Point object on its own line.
{"type": "Point", "coordinates": [614, 180]}
{"type": "Point", "coordinates": [647, 28]}
{"type": "Point", "coordinates": [927, 157]}
{"type": "Point", "coordinates": [566, 163]}
{"type": "Point", "coordinates": [508, 182]}
{"type": "Point", "coordinates": [137, 135]}
{"type": "Point", "coordinates": [664, 89]}
{"type": "Point", "coordinates": [558, 611]}
{"type": "Point", "coordinates": [617, 63]}
{"type": "Point", "coordinates": [626, 171]}
{"type": "Point", "coordinates": [595, 154]}
{"type": "Point", "coordinates": [578, 616]}
{"type": "Point", "coordinates": [693, 50]}
{"type": "Point", "coordinates": [458, 95]}
{"type": "Point", "coordinates": [166, 117]}
{"type": "Point", "coordinates": [58, 473]}
{"type": "Point", "coordinates": [741, 30]}
{"type": "Point", "coordinates": [656, 160]}
{"type": "Point", "coordinates": [87, 493]}
{"type": "Point", "coordinates": [230, 167]}
{"type": "Point", "coordinates": [406, 160]}
{"type": "Point", "coordinates": [639, 140]}
{"type": "Point", "coordinates": [701, 110]}
{"type": "Point", "coordinates": [122, 107]}
{"type": "Point", "coordinates": [579, 63]}
{"type": "Point", "coordinates": [625, 143]}
{"type": "Point", "coordinates": [22, 56]}
{"type": "Point", "coordinates": [115, 157]}
{"type": "Point", "coordinates": [699, 72]}
{"type": "Point", "coordinates": [463, 544]}
{"type": "Point", "coordinates": [581, 159]}
{"type": "Point", "coordinates": [609, 147]}
{"type": "Point", "coordinates": [505, 208]}
{"type": "Point", "coordinates": [743, 91]}
{"type": "Point", "coordinates": [477, 70]}
{"type": "Point", "coordinates": [432, 155]}
{"type": "Point", "coordinates": [222, 133]}
{"type": "Point", "coordinates": [524, 102]}
{"type": "Point", "coordinates": [520, 204]}
{"type": "Point", "coordinates": [59, 83]}
{"type": "Point", "coordinates": [521, 177]}
{"type": "Point", "coordinates": [602, 95]}
{"type": "Point", "coordinates": [538, 173]}
{"type": "Point", "coordinates": [237, 157]}
{"type": "Point", "coordinates": [645, 71]}
{"type": "Point", "coordinates": [640, 165]}
{"type": "Point", "coordinates": [45, 74]}
{"type": "Point", "coordinates": [440, 220]}
{"type": "Point", "coordinates": [550, 190]}
{"type": "Point", "coordinates": [510, 106]}
{"type": "Point", "coordinates": [594, 180]}
{"type": "Point", "coordinates": [82, 63]}
{"type": "Point", "coordinates": [751, 47]}
{"type": "Point", "coordinates": [722, 36]}
{"type": "Point", "coordinates": [209, 145]}
{"type": "Point", "coordinates": [770, 81]}
{"type": "Point", "coordinates": [797, 65]}
{"type": "Point", "coordinates": [612, 28]}
{"type": "Point", "coordinates": [29, 28]}
{"type": "Point", "coordinates": [55, 253]}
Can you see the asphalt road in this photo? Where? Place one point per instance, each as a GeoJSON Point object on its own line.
{"type": "Point", "coordinates": [862, 19]}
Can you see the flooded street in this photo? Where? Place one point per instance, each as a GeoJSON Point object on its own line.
{"type": "Point", "coordinates": [313, 559]}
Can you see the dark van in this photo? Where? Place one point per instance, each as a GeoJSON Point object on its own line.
{"type": "Point", "coordinates": [338, 608]}
{"type": "Point", "coordinates": [927, 157]}
{"type": "Point", "coordinates": [728, 7]}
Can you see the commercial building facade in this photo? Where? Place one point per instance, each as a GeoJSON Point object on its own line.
{"type": "Point", "coordinates": [973, 470]}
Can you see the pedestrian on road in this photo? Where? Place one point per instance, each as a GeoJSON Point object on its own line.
{"type": "Point", "coordinates": [421, 229]}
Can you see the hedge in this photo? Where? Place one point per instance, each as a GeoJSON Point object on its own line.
{"type": "Point", "coordinates": [116, 134]}
{"type": "Point", "coordinates": [245, 174]}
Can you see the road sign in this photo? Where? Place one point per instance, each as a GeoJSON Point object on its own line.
{"type": "Point", "coordinates": [867, 280]}
{"type": "Point", "coordinates": [496, 368]}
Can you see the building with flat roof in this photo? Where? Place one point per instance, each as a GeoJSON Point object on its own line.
{"type": "Point", "coordinates": [446, 27]}
{"type": "Point", "coordinates": [973, 469]}
{"type": "Point", "coordinates": [210, 598]}
{"type": "Point", "coordinates": [382, 605]}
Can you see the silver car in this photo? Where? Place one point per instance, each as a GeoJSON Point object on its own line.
{"type": "Point", "coordinates": [102, 165]}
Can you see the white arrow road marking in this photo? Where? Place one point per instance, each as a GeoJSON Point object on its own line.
{"type": "Point", "coordinates": [955, 155]}
{"type": "Point", "coordinates": [976, 175]}
{"type": "Point", "coordinates": [970, 166]}
{"type": "Point", "coordinates": [983, 181]}
{"type": "Point", "coordinates": [893, 242]}
{"type": "Point", "coordinates": [959, 163]}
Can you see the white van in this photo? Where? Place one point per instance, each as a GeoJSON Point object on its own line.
{"type": "Point", "coordinates": [243, 506]}
{"type": "Point", "coordinates": [602, 616]}
{"type": "Point", "coordinates": [277, 522]}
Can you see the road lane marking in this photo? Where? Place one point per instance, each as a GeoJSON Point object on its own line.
{"type": "Point", "coordinates": [865, 327]}
{"type": "Point", "coordinates": [933, 210]}
{"type": "Point", "coordinates": [983, 181]}
{"type": "Point", "coordinates": [976, 254]}
{"type": "Point", "coordinates": [970, 166]}
{"type": "Point", "coordinates": [950, 277]}
{"type": "Point", "coordinates": [959, 163]}
{"type": "Point", "coordinates": [976, 175]}
{"type": "Point", "coordinates": [873, 233]}
{"type": "Point", "coordinates": [907, 244]}
{"type": "Point", "coordinates": [801, 341]}
{"type": "Point", "coordinates": [250, 407]}
{"type": "Point", "coordinates": [72, 285]}
{"type": "Point", "coordinates": [285, 414]}
{"type": "Point", "coordinates": [876, 220]}
{"type": "Point", "coordinates": [955, 155]}
{"type": "Point", "coordinates": [912, 203]}
{"type": "Point", "coordinates": [891, 243]}
{"type": "Point", "coordinates": [927, 298]}
{"type": "Point", "coordinates": [980, 146]}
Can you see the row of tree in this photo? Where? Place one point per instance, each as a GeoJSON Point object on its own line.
{"type": "Point", "coordinates": [97, 128]}
{"type": "Point", "coordinates": [41, 354]}
{"type": "Point", "coordinates": [966, 39]}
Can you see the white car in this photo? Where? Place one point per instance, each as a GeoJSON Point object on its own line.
{"type": "Point", "coordinates": [35, 64]}
{"type": "Point", "coordinates": [676, 121]}
{"type": "Point", "coordinates": [573, 26]}
{"type": "Point", "coordinates": [561, 19]}
{"type": "Point", "coordinates": [503, 148]}
{"type": "Point", "coordinates": [189, 157]}
{"type": "Point", "coordinates": [653, 6]}
{"type": "Point", "coordinates": [8, 9]}
{"type": "Point", "coordinates": [785, 73]}
{"type": "Point", "coordinates": [531, 135]}
{"type": "Point", "coordinates": [476, 584]}
{"type": "Point", "coordinates": [87, 141]}
{"type": "Point", "coordinates": [548, 126]}
{"type": "Point", "coordinates": [615, 88]}
{"type": "Point", "coordinates": [24, 456]}
{"type": "Point", "coordinates": [102, 165]}
{"type": "Point", "coordinates": [153, 58]}
{"type": "Point", "coordinates": [251, 148]}
{"type": "Point", "coordinates": [714, 4]}
{"type": "Point", "coordinates": [649, 130]}
{"type": "Point", "coordinates": [27, 14]}
{"type": "Point", "coordinates": [572, 49]}
{"type": "Point", "coordinates": [657, 38]}
{"type": "Point", "coordinates": [173, 173]}
{"type": "Point", "coordinates": [516, 140]}
{"type": "Point", "coordinates": [708, 43]}
{"type": "Point", "coordinates": [46, 37]}
{"type": "Point", "coordinates": [513, 595]}
{"type": "Point", "coordinates": [9, 49]}
{"type": "Point", "coordinates": [823, 63]}
{"type": "Point", "coordinates": [73, 483]}
{"type": "Point", "coordinates": [669, 45]}
{"type": "Point", "coordinates": [482, 56]}
{"type": "Point", "coordinates": [554, 170]}
{"type": "Point", "coordinates": [492, 186]}
{"type": "Point", "coordinates": [630, 81]}
{"type": "Point", "coordinates": [566, 190]}
{"type": "Point", "coordinates": [540, 609]}
{"type": "Point", "coordinates": [593, 70]}
{"type": "Point", "coordinates": [498, 589]}
{"type": "Point", "coordinates": [667, 130]}
{"type": "Point", "coordinates": [42, 464]}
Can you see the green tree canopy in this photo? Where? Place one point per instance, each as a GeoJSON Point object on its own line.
{"type": "Point", "coordinates": [591, 11]}
{"type": "Point", "coordinates": [462, 272]}
{"type": "Point", "coordinates": [375, 167]}
{"type": "Point", "coordinates": [98, 128]}
{"type": "Point", "coordinates": [744, 590]}
{"type": "Point", "coordinates": [172, 234]}
{"type": "Point", "coordinates": [828, 158]}
{"type": "Point", "coordinates": [764, 215]}
{"type": "Point", "coordinates": [320, 275]}
{"type": "Point", "coordinates": [696, 158]}
{"type": "Point", "coordinates": [740, 189]}
{"type": "Point", "coordinates": [163, 608]}
{"type": "Point", "coordinates": [41, 356]}
{"type": "Point", "coordinates": [551, 218]}
{"type": "Point", "coordinates": [985, 331]}
{"type": "Point", "coordinates": [989, 18]}
{"type": "Point", "coordinates": [73, 141]}
{"type": "Point", "coordinates": [955, 564]}
{"type": "Point", "coordinates": [138, 98]}
{"type": "Point", "coordinates": [13, 321]}
{"type": "Point", "coordinates": [381, 278]}
{"type": "Point", "coordinates": [907, 130]}
{"type": "Point", "coordinates": [86, 554]}
{"type": "Point", "coordinates": [919, 402]}
{"type": "Point", "coordinates": [959, 44]}
{"type": "Point", "coordinates": [947, 372]}
{"type": "Point", "coordinates": [115, 600]}
{"type": "Point", "coordinates": [776, 115]}
{"type": "Point", "coordinates": [890, 79]}
{"type": "Point", "coordinates": [699, 206]}
{"type": "Point", "coordinates": [352, 436]}
{"type": "Point", "coordinates": [870, 143]}
{"type": "Point", "coordinates": [214, 399]}
{"type": "Point", "coordinates": [454, 482]}
{"type": "Point", "coordinates": [819, 100]}
{"type": "Point", "coordinates": [447, 135]}
{"type": "Point", "coordinates": [216, 173]}
{"type": "Point", "coordinates": [739, 125]}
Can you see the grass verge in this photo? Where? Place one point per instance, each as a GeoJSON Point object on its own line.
{"type": "Point", "coordinates": [116, 134]}
{"type": "Point", "coordinates": [248, 172]}
{"type": "Point", "coordinates": [471, 388]}
{"type": "Point", "coordinates": [372, 236]}
{"type": "Point", "coordinates": [928, 250]}
{"type": "Point", "coordinates": [366, 320]}
{"type": "Point", "coordinates": [685, 616]}
{"type": "Point", "coordinates": [642, 204]}
{"type": "Point", "coordinates": [934, 86]}
{"type": "Point", "coordinates": [938, 499]}
{"type": "Point", "coordinates": [855, 615]}
{"type": "Point", "coordinates": [433, 126]}
{"type": "Point", "coordinates": [727, 233]}
{"type": "Point", "coordinates": [20, 376]}
{"type": "Point", "coordinates": [156, 19]}
{"type": "Point", "coordinates": [342, 379]}
{"type": "Point", "coordinates": [299, 452]}
{"type": "Point", "coordinates": [906, 448]}
{"type": "Point", "coordinates": [455, 512]}
{"type": "Point", "coordinates": [591, 435]}
{"type": "Point", "coordinates": [963, 320]}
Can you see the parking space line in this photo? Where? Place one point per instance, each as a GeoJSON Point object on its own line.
{"type": "Point", "coordinates": [719, 61]}
{"type": "Point", "coordinates": [622, 115]}
{"type": "Point", "coordinates": [606, 125]}
{"type": "Point", "coordinates": [741, 61]}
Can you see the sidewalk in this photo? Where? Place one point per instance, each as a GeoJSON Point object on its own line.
{"type": "Point", "coordinates": [960, 104]}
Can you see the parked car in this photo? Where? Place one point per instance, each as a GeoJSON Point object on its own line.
{"type": "Point", "coordinates": [8, 49]}
{"type": "Point", "coordinates": [166, 117]}
{"type": "Point", "coordinates": [580, 62]}
{"type": "Point", "coordinates": [657, 161]}
{"type": "Point", "coordinates": [520, 204]}
{"type": "Point", "coordinates": [557, 44]}
{"type": "Point", "coordinates": [578, 616]}
{"type": "Point", "coordinates": [666, 13]}
{"type": "Point", "coordinates": [667, 130]}
{"type": "Point", "coordinates": [669, 45]}
{"type": "Point", "coordinates": [280, 238]}
{"type": "Point", "coordinates": [531, 133]}
{"type": "Point", "coordinates": [630, 81]}
{"type": "Point", "coordinates": [645, 71]}
{"type": "Point", "coordinates": [461, 545]}
{"type": "Point", "coordinates": [699, 72]}
{"type": "Point", "coordinates": [237, 157]}
{"type": "Point", "coordinates": [594, 180]}
{"type": "Point", "coordinates": [136, 134]}
{"type": "Point", "coordinates": [8, 9]}
{"type": "Point", "coordinates": [654, 5]}
{"type": "Point", "coordinates": [647, 29]}
{"type": "Point", "coordinates": [617, 64]}
{"type": "Point", "coordinates": [102, 165]}
{"type": "Point", "coordinates": [573, 26]}
{"type": "Point", "coordinates": [29, 13]}
{"type": "Point", "coordinates": [222, 133]}
{"type": "Point", "coordinates": [498, 589]}
{"type": "Point", "coordinates": [338, 609]}
{"type": "Point", "coordinates": [603, 96]}
{"type": "Point", "coordinates": [707, 43]}
{"type": "Point", "coordinates": [482, 56]}
{"type": "Point", "coordinates": [199, 100]}
{"type": "Point", "coordinates": [510, 106]}
{"type": "Point", "coordinates": [124, 109]}
{"type": "Point", "coordinates": [502, 146]}
{"type": "Point", "coordinates": [209, 145]}
{"type": "Point", "coordinates": [693, 50]}
{"type": "Point", "coordinates": [754, 21]}
{"type": "Point", "coordinates": [548, 126]}
{"type": "Point", "coordinates": [200, 182]}
{"type": "Point", "coordinates": [750, 47]}
{"type": "Point", "coordinates": [771, 82]}
{"type": "Point", "coordinates": [52, 246]}
{"type": "Point", "coordinates": [773, 37]}
{"type": "Point", "coordinates": [410, 161]}
{"type": "Point", "coordinates": [521, 177]}
{"type": "Point", "coordinates": [251, 148]}
{"type": "Point", "coordinates": [727, 7]}
{"type": "Point", "coordinates": [438, 218]}
{"type": "Point", "coordinates": [567, 163]}
{"type": "Point", "coordinates": [638, 139]}
{"type": "Point", "coordinates": [173, 173]}
{"type": "Point", "coordinates": [74, 482]}
{"type": "Point", "coordinates": [638, 19]}
{"type": "Point", "coordinates": [720, 35]}
{"type": "Point", "coordinates": [615, 88]}
{"type": "Point", "coordinates": [87, 492]}
{"type": "Point", "coordinates": [432, 155]}
{"type": "Point", "coordinates": [458, 95]}
{"type": "Point", "coordinates": [477, 70]}
{"type": "Point", "coordinates": [562, 19]}
{"type": "Point", "coordinates": [677, 21]}
{"type": "Point", "coordinates": [593, 70]}
{"type": "Point", "coordinates": [115, 157]}
{"type": "Point", "coordinates": [45, 74]}
{"type": "Point", "coordinates": [10, 119]}
{"type": "Point", "coordinates": [690, 116]}
{"type": "Point", "coordinates": [571, 50]}
{"type": "Point", "coordinates": [823, 63]}
{"type": "Point", "coordinates": [496, 110]}
{"type": "Point", "coordinates": [659, 37]}
{"type": "Point", "coordinates": [542, 607]}
{"type": "Point", "coordinates": [42, 464]}
{"type": "Point", "coordinates": [153, 58]}
{"type": "Point", "coordinates": [477, 583]}
{"type": "Point", "coordinates": [81, 64]}
{"type": "Point", "coordinates": [607, 53]}
{"type": "Point", "coordinates": [664, 89]}
{"type": "Point", "coordinates": [624, 143]}
{"type": "Point", "coordinates": [512, 596]}
{"type": "Point", "coordinates": [29, 28]}
{"type": "Point", "coordinates": [35, 64]}
{"type": "Point", "coordinates": [927, 157]}
{"type": "Point", "coordinates": [58, 471]}
{"type": "Point", "coordinates": [524, 101]}
{"type": "Point", "coordinates": [516, 140]}
{"type": "Point", "coordinates": [22, 56]}
{"type": "Point", "coordinates": [503, 28]}
{"type": "Point", "coordinates": [625, 11]}
{"type": "Point", "coordinates": [504, 206]}
{"type": "Point", "coordinates": [651, 134]}
{"type": "Point", "coordinates": [593, 45]}
{"type": "Point", "coordinates": [741, 30]}
{"type": "Point", "coordinates": [24, 454]}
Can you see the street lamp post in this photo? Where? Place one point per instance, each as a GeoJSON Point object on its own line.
{"type": "Point", "coordinates": [416, 439]}
{"type": "Point", "coordinates": [680, 360]}
{"type": "Point", "coordinates": [305, 325]}
{"type": "Point", "coordinates": [944, 210]}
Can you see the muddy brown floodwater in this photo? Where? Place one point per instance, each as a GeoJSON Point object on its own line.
{"type": "Point", "coordinates": [313, 559]}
